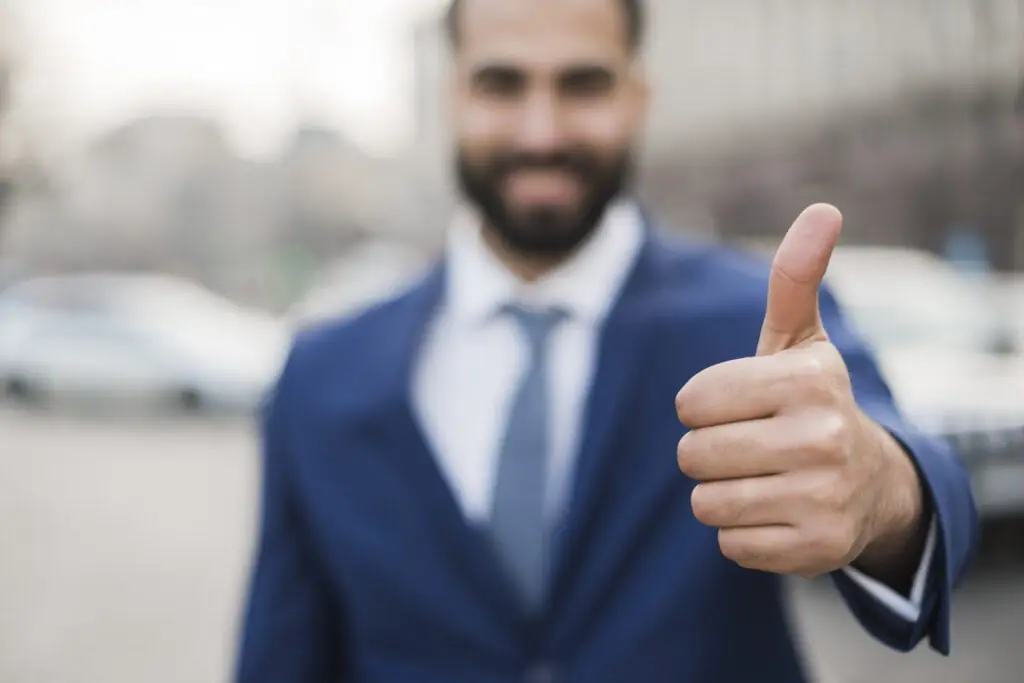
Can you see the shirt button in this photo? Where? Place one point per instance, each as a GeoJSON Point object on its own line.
{"type": "Point", "coordinates": [541, 672]}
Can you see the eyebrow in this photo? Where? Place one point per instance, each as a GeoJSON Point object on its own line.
{"type": "Point", "coordinates": [587, 71]}
{"type": "Point", "coordinates": [495, 68]}
{"type": "Point", "coordinates": [572, 70]}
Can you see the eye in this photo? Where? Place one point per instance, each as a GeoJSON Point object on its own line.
{"type": "Point", "coordinates": [587, 82]}
{"type": "Point", "coordinates": [499, 81]}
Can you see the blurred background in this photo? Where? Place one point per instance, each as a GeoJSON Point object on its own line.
{"type": "Point", "coordinates": [183, 183]}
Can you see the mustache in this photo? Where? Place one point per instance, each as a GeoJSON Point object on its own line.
{"type": "Point", "coordinates": [580, 163]}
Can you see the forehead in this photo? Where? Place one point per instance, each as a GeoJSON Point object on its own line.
{"type": "Point", "coordinates": [538, 32]}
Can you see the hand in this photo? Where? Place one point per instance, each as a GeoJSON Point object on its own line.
{"type": "Point", "coordinates": [795, 476]}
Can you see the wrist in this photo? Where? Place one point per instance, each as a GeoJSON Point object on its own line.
{"type": "Point", "coordinates": [900, 520]}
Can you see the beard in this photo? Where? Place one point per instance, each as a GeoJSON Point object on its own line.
{"type": "Point", "coordinates": [546, 232]}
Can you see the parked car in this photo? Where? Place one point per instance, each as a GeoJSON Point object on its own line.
{"type": "Point", "coordinates": [1009, 290]}
{"type": "Point", "coordinates": [936, 334]}
{"type": "Point", "coordinates": [109, 338]}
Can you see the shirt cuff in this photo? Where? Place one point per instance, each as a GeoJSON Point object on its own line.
{"type": "Point", "coordinates": [907, 608]}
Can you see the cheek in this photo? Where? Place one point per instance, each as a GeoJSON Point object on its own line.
{"type": "Point", "coordinates": [480, 127]}
{"type": "Point", "coordinates": [606, 128]}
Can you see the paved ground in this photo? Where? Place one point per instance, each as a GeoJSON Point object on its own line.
{"type": "Point", "coordinates": [124, 544]}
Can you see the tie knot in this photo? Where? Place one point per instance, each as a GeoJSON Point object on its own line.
{"type": "Point", "coordinates": [537, 324]}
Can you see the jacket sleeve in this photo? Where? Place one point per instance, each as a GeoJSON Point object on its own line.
{"type": "Point", "coordinates": [289, 632]}
{"type": "Point", "coordinates": [947, 486]}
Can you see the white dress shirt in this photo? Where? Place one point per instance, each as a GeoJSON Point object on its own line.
{"type": "Point", "coordinates": [473, 358]}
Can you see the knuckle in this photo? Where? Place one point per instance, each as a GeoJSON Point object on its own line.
{"type": "Point", "coordinates": [742, 553]}
{"type": "Point", "coordinates": [732, 548]}
{"type": "Point", "coordinates": [831, 544]}
{"type": "Point", "coordinates": [681, 404]}
{"type": "Point", "coordinates": [728, 504]}
{"type": "Point", "coordinates": [788, 563]}
{"type": "Point", "coordinates": [812, 365]}
{"type": "Point", "coordinates": [684, 454]}
{"type": "Point", "coordinates": [744, 500]}
{"type": "Point", "coordinates": [821, 546]}
{"type": "Point", "coordinates": [703, 504]}
{"type": "Point", "coordinates": [833, 436]}
{"type": "Point", "coordinates": [829, 494]}
{"type": "Point", "coordinates": [808, 374]}
{"type": "Point", "coordinates": [806, 366]}
{"type": "Point", "coordinates": [821, 375]}
{"type": "Point", "coordinates": [689, 456]}
{"type": "Point", "coordinates": [689, 402]}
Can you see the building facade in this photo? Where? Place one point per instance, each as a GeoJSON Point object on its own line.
{"type": "Point", "coordinates": [737, 71]}
{"type": "Point", "coordinates": [902, 112]}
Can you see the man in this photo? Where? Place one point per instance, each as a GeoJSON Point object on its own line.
{"type": "Point", "coordinates": [480, 480]}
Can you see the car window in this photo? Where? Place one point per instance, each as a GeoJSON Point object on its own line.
{"type": "Point", "coordinates": [907, 309]}
{"type": "Point", "coordinates": [890, 324]}
{"type": "Point", "coordinates": [174, 317]}
{"type": "Point", "coordinates": [66, 297]}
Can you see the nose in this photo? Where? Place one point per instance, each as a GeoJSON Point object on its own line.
{"type": "Point", "coordinates": [541, 129]}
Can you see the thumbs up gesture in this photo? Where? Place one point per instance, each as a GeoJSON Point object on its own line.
{"type": "Point", "coordinates": [795, 476]}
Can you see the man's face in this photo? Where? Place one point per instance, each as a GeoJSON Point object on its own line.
{"type": "Point", "coordinates": [548, 104]}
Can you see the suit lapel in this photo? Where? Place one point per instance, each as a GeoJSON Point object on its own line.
{"type": "Point", "coordinates": [468, 547]}
{"type": "Point", "coordinates": [628, 337]}
{"type": "Point", "coordinates": [625, 340]}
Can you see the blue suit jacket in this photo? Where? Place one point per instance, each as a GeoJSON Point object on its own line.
{"type": "Point", "coordinates": [367, 571]}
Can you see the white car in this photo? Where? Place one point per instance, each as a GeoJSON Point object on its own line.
{"type": "Point", "coordinates": [935, 332]}
{"type": "Point", "coordinates": [1009, 290]}
{"type": "Point", "coordinates": [106, 337]}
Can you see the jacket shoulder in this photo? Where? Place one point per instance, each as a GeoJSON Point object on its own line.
{"type": "Point", "coordinates": [355, 355]}
{"type": "Point", "coordinates": [710, 279]}
{"type": "Point", "coordinates": [333, 338]}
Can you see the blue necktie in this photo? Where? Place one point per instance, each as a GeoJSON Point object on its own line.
{"type": "Point", "coordinates": [518, 524]}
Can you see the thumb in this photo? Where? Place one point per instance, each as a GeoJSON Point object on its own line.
{"type": "Point", "coordinates": [792, 316]}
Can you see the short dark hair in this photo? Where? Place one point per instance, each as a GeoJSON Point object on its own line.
{"type": "Point", "coordinates": [633, 10]}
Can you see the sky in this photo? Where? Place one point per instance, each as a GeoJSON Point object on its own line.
{"type": "Point", "coordinates": [258, 65]}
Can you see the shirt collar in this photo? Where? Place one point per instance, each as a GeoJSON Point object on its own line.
{"type": "Point", "coordinates": [586, 285]}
